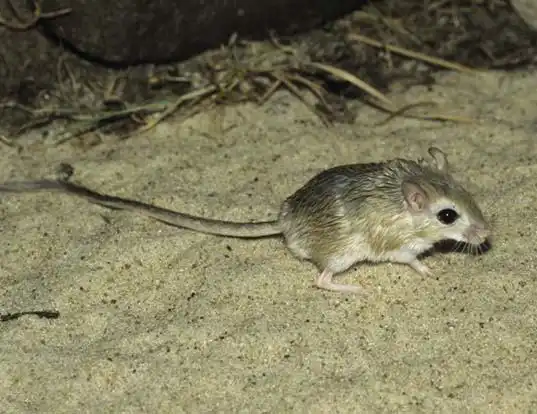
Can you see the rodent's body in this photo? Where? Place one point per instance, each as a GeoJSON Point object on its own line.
{"type": "Point", "coordinates": [389, 211]}
{"type": "Point", "coordinates": [348, 214]}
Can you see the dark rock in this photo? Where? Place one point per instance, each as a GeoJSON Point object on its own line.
{"type": "Point", "coordinates": [141, 31]}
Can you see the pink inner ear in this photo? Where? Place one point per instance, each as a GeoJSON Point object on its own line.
{"type": "Point", "coordinates": [415, 196]}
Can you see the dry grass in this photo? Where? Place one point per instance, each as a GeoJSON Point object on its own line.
{"type": "Point", "coordinates": [231, 80]}
{"type": "Point", "coordinates": [254, 71]}
{"type": "Point", "coordinates": [21, 24]}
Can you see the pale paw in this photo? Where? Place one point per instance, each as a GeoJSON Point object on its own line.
{"type": "Point", "coordinates": [324, 281]}
{"type": "Point", "coordinates": [421, 268]}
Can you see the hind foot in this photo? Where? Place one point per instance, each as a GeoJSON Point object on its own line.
{"type": "Point", "coordinates": [420, 268]}
{"type": "Point", "coordinates": [324, 281]}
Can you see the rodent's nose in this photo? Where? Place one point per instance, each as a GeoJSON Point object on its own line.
{"type": "Point", "coordinates": [483, 233]}
{"type": "Point", "coordinates": [478, 234]}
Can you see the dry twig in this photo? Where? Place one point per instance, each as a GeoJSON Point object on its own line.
{"type": "Point", "coordinates": [236, 77]}
{"type": "Point", "coordinates": [37, 16]}
{"type": "Point", "coordinates": [411, 54]}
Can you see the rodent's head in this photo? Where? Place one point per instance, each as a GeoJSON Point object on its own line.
{"type": "Point", "coordinates": [441, 208]}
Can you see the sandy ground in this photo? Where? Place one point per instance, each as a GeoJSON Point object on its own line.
{"type": "Point", "coordinates": [159, 319]}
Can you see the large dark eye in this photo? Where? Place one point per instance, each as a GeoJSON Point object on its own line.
{"type": "Point", "coordinates": [447, 216]}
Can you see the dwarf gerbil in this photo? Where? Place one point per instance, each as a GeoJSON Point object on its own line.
{"type": "Point", "coordinates": [387, 211]}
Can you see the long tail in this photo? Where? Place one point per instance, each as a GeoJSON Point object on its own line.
{"type": "Point", "coordinates": [200, 224]}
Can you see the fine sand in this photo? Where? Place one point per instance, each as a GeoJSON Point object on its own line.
{"type": "Point", "coordinates": [158, 319]}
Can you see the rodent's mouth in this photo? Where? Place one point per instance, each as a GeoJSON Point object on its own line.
{"type": "Point", "coordinates": [463, 246]}
{"type": "Point", "coordinates": [478, 243]}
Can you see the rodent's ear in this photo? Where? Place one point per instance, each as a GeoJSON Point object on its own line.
{"type": "Point", "coordinates": [415, 196]}
{"type": "Point", "coordinates": [440, 158]}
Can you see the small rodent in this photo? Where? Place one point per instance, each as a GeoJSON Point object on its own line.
{"type": "Point", "coordinates": [390, 211]}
